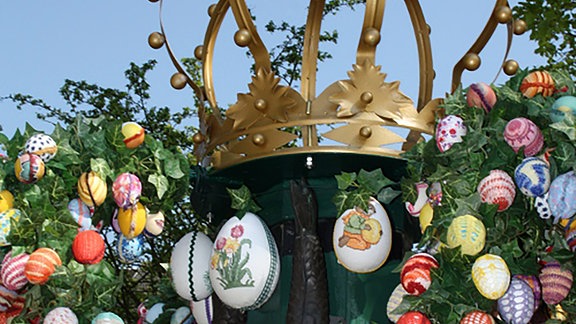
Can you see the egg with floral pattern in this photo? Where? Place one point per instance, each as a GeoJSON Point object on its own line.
{"type": "Point", "coordinates": [449, 131]}
{"type": "Point", "coordinates": [245, 264]}
{"type": "Point", "coordinates": [190, 266]}
{"type": "Point", "coordinates": [517, 304]}
{"type": "Point", "coordinates": [126, 190]}
{"type": "Point", "coordinates": [491, 276]}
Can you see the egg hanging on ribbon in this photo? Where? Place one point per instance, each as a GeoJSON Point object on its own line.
{"type": "Point", "coordinates": [29, 168]}
{"type": "Point", "coordinates": [6, 219]}
{"type": "Point", "coordinates": [534, 284]}
{"type": "Point", "coordinates": [132, 220]}
{"type": "Point", "coordinates": [477, 317]}
{"type": "Point", "coordinates": [413, 317]}
{"type": "Point", "coordinates": [81, 213]}
{"type": "Point", "coordinates": [190, 266]}
{"type": "Point", "coordinates": [41, 145]}
{"type": "Point", "coordinates": [41, 265]}
{"type": "Point", "coordinates": [60, 315]}
{"type": "Point", "coordinates": [523, 133]}
{"type": "Point", "coordinates": [92, 189]}
{"type": "Point", "coordinates": [449, 131]}
{"type": "Point", "coordinates": [12, 272]}
{"type": "Point", "coordinates": [491, 276]}
{"type": "Point", "coordinates": [562, 106]}
{"type": "Point", "coordinates": [129, 250]}
{"type": "Point", "coordinates": [362, 239]}
{"type": "Point", "coordinates": [154, 224]}
{"type": "Point", "coordinates": [561, 196]}
{"type": "Point", "coordinates": [126, 190]}
{"type": "Point", "coordinates": [556, 282]}
{"type": "Point", "coordinates": [394, 301]}
{"type": "Point", "coordinates": [468, 232]}
{"type": "Point", "coordinates": [537, 82]}
{"type": "Point", "coordinates": [497, 188]}
{"type": "Point", "coordinates": [202, 310]}
{"type": "Point", "coordinates": [481, 95]}
{"type": "Point", "coordinates": [532, 176]}
{"type": "Point", "coordinates": [416, 275]}
{"type": "Point", "coordinates": [107, 318]}
{"type": "Point", "coordinates": [517, 304]}
{"type": "Point", "coordinates": [245, 265]}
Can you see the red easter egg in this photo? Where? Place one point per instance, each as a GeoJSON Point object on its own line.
{"type": "Point", "coordinates": [481, 95]}
{"type": "Point", "coordinates": [415, 276]}
{"type": "Point", "coordinates": [477, 317]}
{"type": "Point", "coordinates": [88, 247]}
{"type": "Point", "coordinates": [41, 265]}
{"type": "Point", "coordinates": [12, 272]}
{"type": "Point", "coordinates": [538, 82]}
{"type": "Point", "coordinates": [413, 317]}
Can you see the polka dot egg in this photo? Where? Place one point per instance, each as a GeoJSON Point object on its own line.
{"type": "Point", "coordinates": [61, 315]}
{"type": "Point", "coordinates": [449, 131]}
{"type": "Point", "coordinates": [41, 145]}
{"type": "Point", "coordinates": [517, 304]}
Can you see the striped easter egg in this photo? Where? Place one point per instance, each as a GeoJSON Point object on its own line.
{"type": "Point", "coordinates": [29, 168]}
{"type": "Point", "coordinates": [477, 317]}
{"type": "Point", "coordinates": [497, 188]}
{"type": "Point", "coordinates": [394, 301]}
{"type": "Point", "coordinates": [570, 233]}
{"type": "Point", "coordinates": [12, 272]}
{"type": "Point", "coordinates": [415, 275]}
{"type": "Point", "coordinates": [556, 282]}
{"type": "Point", "coordinates": [491, 276]}
{"type": "Point", "coordinates": [41, 265]}
{"type": "Point", "coordinates": [522, 132]}
{"type": "Point", "coordinates": [92, 189]}
{"type": "Point", "coordinates": [537, 82]}
{"type": "Point", "coordinates": [481, 95]}
{"type": "Point", "coordinates": [467, 232]}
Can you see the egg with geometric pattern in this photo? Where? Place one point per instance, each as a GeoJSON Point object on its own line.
{"type": "Point", "coordinates": [29, 168]}
{"type": "Point", "coordinates": [532, 176]}
{"type": "Point", "coordinates": [467, 232]}
{"type": "Point", "coordinates": [477, 317]}
{"type": "Point", "coordinates": [491, 276]}
{"type": "Point", "coordinates": [41, 145]}
{"type": "Point", "coordinates": [517, 304]}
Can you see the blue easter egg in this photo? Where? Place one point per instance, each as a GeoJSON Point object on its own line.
{"type": "Point", "coordinates": [532, 176]}
{"type": "Point", "coordinates": [561, 196]}
{"type": "Point", "coordinates": [81, 213]}
{"type": "Point", "coordinates": [562, 106]}
{"type": "Point", "coordinates": [130, 250]}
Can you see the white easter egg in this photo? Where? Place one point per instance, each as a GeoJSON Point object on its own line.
{"type": "Point", "coordinates": [491, 276]}
{"type": "Point", "coordinates": [41, 145]}
{"type": "Point", "coordinates": [190, 266]}
{"type": "Point", "coordinates": [61, 315]}
{"type": "Point", "coordinates": [362, 240]}
{"type": "Point", "coordinates": [202, 310]}
{"type": "Point", "coordinates": [245, 265]}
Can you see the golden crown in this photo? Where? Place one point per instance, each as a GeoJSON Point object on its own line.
{"type": "Point", "coordinates": [366, 114]}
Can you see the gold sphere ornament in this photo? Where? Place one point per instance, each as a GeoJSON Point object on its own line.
{"type": "Point", "coordinates": [371, 36]}
{"type": "Point", "coordinates": [367, 97]}
{"type": "Point", "coordinates": [242, 37]}
{"type": "Point", "coordinates": [510, 67]}
{"type": "Point", "coordinates": [558, 313]}
{"type": "Point", "coordinates": [471, 61]}
{"type": "Point", "coordinates": [211, 10]}
{"type": "Point", "coordinates": [258, 139]}
{"type": "Point", "coordinates": [503, 14]}
{"type": "Point", "coordinates": [198, 138]}
{"type": "Point", "coordinates": [365, 131]}
{"type": "Point", "coordinates": [199, 52]}
{"type": "Point", "coordinates": [260, 104]}
{"type": "Point", "coordinates": [156, 40]}
{"type": "Point", "coordinates": [520, 27]}
{"type": "Point", "coordinates": [178, 81]}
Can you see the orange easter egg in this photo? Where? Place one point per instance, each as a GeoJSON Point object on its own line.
{"type": "Point", "coordinates": [41, 265]}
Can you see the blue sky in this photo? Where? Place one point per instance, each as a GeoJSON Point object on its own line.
{"type": "Point", "coordinates": [45, 43]}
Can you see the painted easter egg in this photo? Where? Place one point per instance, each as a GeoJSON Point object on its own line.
{"type": "Point", "coordinates": [11, 303]}
{"type": "Point", "coordinates": [60, 315]}
{"type": "Point", "coordinates": [12, 272]}
{"type": "Point", "coordinates": [477, 317]}
{"type": "Point", "coordinates": [413, 317]}
{"type": "Point", "coordinates": [537, 82]}
{"type": "Point", "coordinates": [522, 132]}
{"type": "Point", "coordinates": [532, 176]}
{"type": "Point", "coordinates": [416, 275]}
{"type": "Point", "coordinates": [362, 239]}
{"type": "Point", "coordinates": [88, 247]}
{"type": "Point", "coordinates": [154, 312]}
{"type": "Point", "coordinates": [202, 311]}
{"type": "Point", "coordinates": [92, 189]}
{"type": "Point", "coordinates": [394, 301]}
{"type": "Point", "coordinates": [132, 220]}
{"type": "Point", "coordinates": [107, 318]}
{"type": "Point", "coordinates": [81, 213]}
{"type": "Point", "coordinates": [129, 250]}
{"type": "Point", "coordinates": [449, 131]}
{"type": "Point", "coordinates": [133, 134]}
{"type": "Point", "coordinates": [126, 190]}
{"type": "Point", "coordinates": [6, 200]}
{"type": "Point", "coordinates": [562, 106]}
{"type": "Point", "coordinates": [491, 276]}
{"type": "Point", "coordinates": [245, 265]}
{"type": "Point", "coordinates": [6, 219]}
{"type": "Point", "coordinates": [41, 265]}
{"type": "Point", "coordinates": [517, 304]}
{"type": "Point", "coordinates": [497, 188]}
{"type": "Point", "coordinates": [181, 316]}
{"type": "Point", "coordinates": [468, 232]}
{"type": "Point", "coordinates": [561, 196]}
{"type": "Point", "coordinates": [481, 95]}
{"type": "Point", "coordinates": [556, 282]}
{"type": "Point", "coordinates": [114, 221]}
{"type": "Point", "coordinates": [41, 145]}
{"type": "Point", "coordinates": [29, 168]}
{"type": "Point", "coordinates": [154, 224]}
{"type": "Point", "coordinates": [534, 284]}
{"type": "Point", "coordinates": [190, 266]}
{"type": "Point", "coordinates": [426, 216]}
{"type": "Point", "coordinates": [570, 234]}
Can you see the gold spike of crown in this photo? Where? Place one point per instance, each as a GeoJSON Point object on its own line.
{"type": "Point", "coordinates": [366, 113]}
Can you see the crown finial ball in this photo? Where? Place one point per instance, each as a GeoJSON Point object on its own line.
{"type": "Point", "coordinates": [365, 131]}
{"type": "Point", "coordinates": [471, 61]}
{"type": "Point", "coordinates": [258, 139]}
{"type": "Point", "coordinates": [510, 67]}
{"type": "Point", "coordinates": [156, 40]}
{"type": "Point", "coordinates": [198, 138]}
{"type": "Point", "coordinates": [211, 9]}
{"type": "Point", "coordinates": [371, 36]}
{"type": "Point", "coordinates": [260, 104]}
{"type": "Point", "coordinates": [199, 52]}
{"type": "Point", "coordinates": [503, 14]}
{"type": "Point", "coordinates": [367, 97]}
{"type": "Point", "coordinates": [242, 37]}
{"type": "Point", "coordinates": [520, 27]}
{"type": "Point", "coordinates": [178, 81]}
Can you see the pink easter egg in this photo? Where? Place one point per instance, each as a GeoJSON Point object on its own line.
{"type": "Point", "coordinates": [449, 131]}
{"type": "Point", "coordinates": [126, 190]}
{"type": "Point", "coordinates": [481, 95]}
{"type": "Point", "coordinates": [556, 282]}
{"type": "Point", "coordinates": [497, 188]}
{"type": "Point", "coordinates": [522, 132]}
{"type": "Point", "coordinates": [12, 272]}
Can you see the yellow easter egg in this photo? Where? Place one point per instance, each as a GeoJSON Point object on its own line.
{"type": "Point", "coordinates": [468, 232]}
{"type": "Point", "coordinates": [132, 220]}
{"type": "Point", "coordinates": [491, 276]}
{"type": "Point", "coordinates": [133, 134]}
{"type": "Point", "coordinates": [92, 189]}
{"type": "Point", "coordinates": [426, 215]}
{"type": "Point", "coordinates": [6, 200]}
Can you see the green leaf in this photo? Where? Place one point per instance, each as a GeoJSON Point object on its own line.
{"type": "Point", "coordinates": [345, 180]}
{"type": "Point", "coordinates": [373, 181]}
{"type": "Point", "coordinates": [241, 200]}
{"type": "Point", "coordinates": [172, 168]}
{"type": "Point", "coordinates": [160, 182]}
{"type": "Point", "coordinates": [101, 167]}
